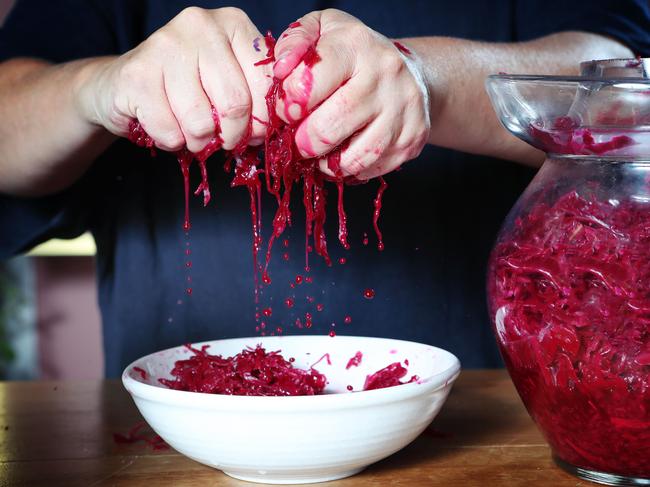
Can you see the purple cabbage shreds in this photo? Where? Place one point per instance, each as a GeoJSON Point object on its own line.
{"type": "Point", "coordinates": [569, 294]}
{"type": "Point", "coordinates": [253, 372]}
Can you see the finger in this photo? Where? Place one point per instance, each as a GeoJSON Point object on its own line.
{"type": "Point", "coordinates": [294, 43]}
{"type": "Point", "coordinates": [155, 114]}
{"type": "Point", "coordinates": [370, 153]}
{"type": "Point", "coordinates": [224, 82]}
{"type": "Point", "coordinates": [316, 78]}
{"type": "Point", "coordinates": [347, 111]}
{"type": "Point", "coordinates": [189, 103]}
{"type": "Point", "coordinates": [258, 78]}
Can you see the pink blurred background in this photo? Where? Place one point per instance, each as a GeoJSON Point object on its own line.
{"type": "Point", "coordinates": [68, 327]}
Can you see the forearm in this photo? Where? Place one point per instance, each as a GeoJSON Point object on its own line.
{"type": "Point", "coordinates": [45, 142]}
{"type": "Point", "coordinates": [455, 71]}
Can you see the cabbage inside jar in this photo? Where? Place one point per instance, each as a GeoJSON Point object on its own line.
{"type": "Point", "coordinates": [569, 276]}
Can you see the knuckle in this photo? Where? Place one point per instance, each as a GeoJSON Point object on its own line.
{"type": "Point", "coordinates": [322, 130]}
{"type": "Point", "coordinates": [233, 14]}
{"type": "Point", "coordinates": [133, 73]}
{"type": "Point", "coordinates": [392, 64]}
{"type": "Point", "coordinates": [235, 111]}
{"type": "Point", "coordinates": [191, 15]}
{"type": "Point", "coordinates": [198, 127]}
{"type": "Point", "coordinates": [354, 165]}
{"type": "Point", "coordinates": [171, 140]}
{"type": "Point", "coordinates": [162, 40]}
{"type": "Point", "coordinates": [238, 105]}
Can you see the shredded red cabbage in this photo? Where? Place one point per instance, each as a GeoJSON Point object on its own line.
{"type": "Point", "coordinates": [135, 435]}
{"type": "Point", "coordinates": [252, 372]}
{"type": "Point", "coordinates": [565, 137]}
{"type": "Point", "coordinates": [569, 294]}
{"type": "Point", "coordinates": [256, 372]}
{"type": "Point", "coordinates": [283, 168]}
{"type": "Point", "coordinates": [141, 371]}
{"type": "Point", "coordinates": [355, 360]}
{"type": "Point", "coordinates": [389, 376]}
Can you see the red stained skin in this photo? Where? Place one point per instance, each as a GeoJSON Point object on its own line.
{"type": "Point", "coordinates": [283, 168]}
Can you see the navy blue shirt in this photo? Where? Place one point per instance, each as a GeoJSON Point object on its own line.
{"type": "Point", "coordinates": [441, 212]}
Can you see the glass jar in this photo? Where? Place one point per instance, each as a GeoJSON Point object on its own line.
{"type": "Point", "coordinates": [569, 276]}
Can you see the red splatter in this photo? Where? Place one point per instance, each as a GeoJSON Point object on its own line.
{"type": "Point", "coordinates": [142, 372]}
{"type": "Point", "coordinates": [134, 435]}
{"type": "Point", "coordinates": [354, 361]}
{"type": "Point", "coordinates": [402, 48]}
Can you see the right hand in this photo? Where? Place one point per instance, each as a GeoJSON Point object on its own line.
{"type": "Point", "coordinates": [169, 83]}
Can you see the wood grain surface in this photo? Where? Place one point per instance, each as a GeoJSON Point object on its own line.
{"type": "Point", "coordinates": [61, 434]}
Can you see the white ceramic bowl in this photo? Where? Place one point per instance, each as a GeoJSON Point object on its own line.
{"type": "Point", "coordinates": [290, 440]}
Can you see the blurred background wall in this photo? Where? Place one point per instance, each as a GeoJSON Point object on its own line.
{"type": "Point", "coordinates": [50, 326]}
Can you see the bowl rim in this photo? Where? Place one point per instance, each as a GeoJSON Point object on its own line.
{"type": "Point", "coordinates": [352, 400]}
{"type": "Point", "coordinates": [567, 79]}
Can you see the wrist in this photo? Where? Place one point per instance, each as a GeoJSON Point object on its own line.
{"type": "Point", "coordinates": [429, 76]}
{"type": "Point", "coordinates": [87, 89]}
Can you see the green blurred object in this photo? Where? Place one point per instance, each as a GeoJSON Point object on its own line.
{"type": "Point", "coordinates": [11, 299]}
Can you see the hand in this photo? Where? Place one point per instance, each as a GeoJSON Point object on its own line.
{"type": "Point", "coordinates": [169, 83]}
{"type": "Point", "coordinates": [363, 88]}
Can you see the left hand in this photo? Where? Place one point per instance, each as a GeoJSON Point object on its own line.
{"type": "Point", "coordinates": [363, 89]}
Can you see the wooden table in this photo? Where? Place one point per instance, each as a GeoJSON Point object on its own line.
{"type": "Point", "coordinates": [61, 434]}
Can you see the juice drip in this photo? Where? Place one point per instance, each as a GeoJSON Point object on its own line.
{"type": "Point", "coordinates": [377, 212]}
{"type": "Point", "coordinates": [283, 168]}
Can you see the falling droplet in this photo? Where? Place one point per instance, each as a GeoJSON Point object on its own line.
{"type": "Point", "coordinates": [347, 320]}
{"type": "Point", "coordinates": [369, 293]}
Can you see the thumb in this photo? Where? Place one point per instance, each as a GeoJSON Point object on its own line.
{"type": "Point", "coordinates": [294, 42]}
